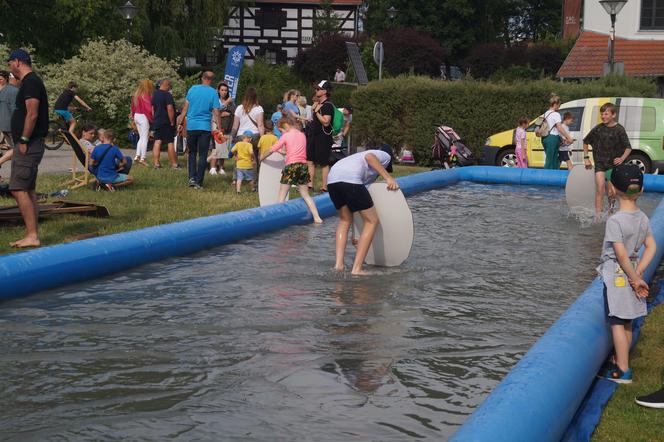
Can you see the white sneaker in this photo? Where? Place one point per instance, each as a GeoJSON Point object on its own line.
{"type": "Point", "coordinates": [213, 171]}
{"type": "Point", "coordinates": [221, 172]}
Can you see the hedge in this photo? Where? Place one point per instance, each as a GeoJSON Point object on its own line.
{"type": "Point", "coordinates": [405, 110]}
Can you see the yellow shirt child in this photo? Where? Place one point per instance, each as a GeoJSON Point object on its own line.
{"type": "Point", "coordinates": [266, 142]}
{"type": "Point", "coordinates": [244, 152]}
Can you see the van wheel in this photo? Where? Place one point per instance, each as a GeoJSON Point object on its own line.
{"type": "Point", "coordinates": [641, 160]}
{"type": "Point", "coordinates": [506, 158]}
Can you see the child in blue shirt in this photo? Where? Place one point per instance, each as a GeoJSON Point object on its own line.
{"type": "Point", "coordinates": [106, 159]}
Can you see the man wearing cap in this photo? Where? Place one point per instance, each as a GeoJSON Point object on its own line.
{"type": "Point", "coordinates": [29, 125]}
{"type": "Point", "coordinates": [7, 105]}
{"type": "Point", "coordinates": [201, 105]}
{"type": "Point", "coordinates": [319, 137]}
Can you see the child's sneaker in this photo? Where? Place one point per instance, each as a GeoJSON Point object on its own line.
{"type": "Point", "coordinates": [653, 400]}
{"type": "Point", "coordinates": [221, 172]}
{"type": "Point", "coordinates": [213, 171]}
{"type": "Point", "coordinates": [618, 376]}
{"type": "Point", "coordinates": [109, 187]}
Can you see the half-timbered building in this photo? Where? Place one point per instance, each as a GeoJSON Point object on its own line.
{"type": "Point", "coordinates": [277, 31]}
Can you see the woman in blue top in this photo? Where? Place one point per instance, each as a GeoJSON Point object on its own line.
{"type": "Point", "coordinates": [291, 109]}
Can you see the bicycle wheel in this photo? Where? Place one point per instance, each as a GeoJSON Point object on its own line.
{"type": "Point", "coordinates": [54, 138]}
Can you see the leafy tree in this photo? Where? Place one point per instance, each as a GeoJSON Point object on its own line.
{"type": "Point", "coordinates": [407, 50]}
{"type": "Point", "coordinates": [58, 28]}
{"type": "Point", "coordinates": [320, 61]}
{"type": "Point", "coordinates": [107, 74]}
{"type": "Point", "coordinates": [325, 23]}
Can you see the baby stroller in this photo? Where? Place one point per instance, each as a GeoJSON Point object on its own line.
{"type": "Point", "coordinates": [449, 150]}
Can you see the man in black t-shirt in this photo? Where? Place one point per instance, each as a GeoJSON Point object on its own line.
{"type": "Point", "coordinates": [29, 127]}
{"type": "Point", "coordinates": [319, 134]}
{"type": "Point", "coordinates": [164, 123]}
{"type": "Point", "coordinates": [63, 102]}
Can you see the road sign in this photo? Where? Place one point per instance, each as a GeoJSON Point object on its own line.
{"type": "Point", "coordinates": [378, 56]}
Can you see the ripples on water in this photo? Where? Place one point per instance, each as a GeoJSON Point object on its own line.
{"type": "Point", "coordinates": [261, 341]}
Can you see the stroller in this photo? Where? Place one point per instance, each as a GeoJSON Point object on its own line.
{"type": "Point", "coordinates": [449, 150]}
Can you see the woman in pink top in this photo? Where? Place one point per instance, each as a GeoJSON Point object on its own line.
{"type": "Point", "coordinates": [295, 171]}
{"type": "Point", "coordinates": [521, 147]}
{"type": "Point", "coordinates": [141, 112]}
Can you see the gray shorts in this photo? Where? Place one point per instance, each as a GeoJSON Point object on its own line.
{"type": "Point", "coordinates": [25, 167]}
{"type": "Point", "coordinates": [245, 174]}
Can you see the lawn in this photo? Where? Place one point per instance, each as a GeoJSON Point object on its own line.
{"type": "Point", "coordinates": [623, 419]}
{"type": "Point", "coordinates": [158, 197]}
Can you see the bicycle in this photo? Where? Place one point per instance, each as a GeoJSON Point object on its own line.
{"type": "Point", "coordinates": [54, 138]}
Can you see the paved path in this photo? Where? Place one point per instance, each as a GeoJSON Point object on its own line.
{"type": "Point", "coordinates": [54, 162]}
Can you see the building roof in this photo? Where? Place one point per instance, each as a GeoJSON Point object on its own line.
{"type": "Point", "coordinates": [308, 2]}
{"type": "Point", "coordinates": [642, 58]}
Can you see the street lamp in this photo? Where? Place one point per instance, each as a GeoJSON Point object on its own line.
{"type": "Point", "coordinates": [128, 11]}
{"type": "Point", "coordinates": [612, 7]}
{"type": "Point", "coordinates": [392, 12]}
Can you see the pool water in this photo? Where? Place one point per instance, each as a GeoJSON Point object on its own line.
{"type": "Point", "coordinates": [262, 341]}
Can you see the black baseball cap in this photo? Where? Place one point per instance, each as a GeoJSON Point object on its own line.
{"type": "Point", "coordinates": [324, 84]}
{"type": "Point", "coordinates": [20, 55]}
{"type": "Point", "coordinates": [625, 176]}
{"type": "Point", "coordinates": [388, 150]}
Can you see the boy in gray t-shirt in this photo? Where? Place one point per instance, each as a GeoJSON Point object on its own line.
{"type": "Point", "coordinates": [621, 270]}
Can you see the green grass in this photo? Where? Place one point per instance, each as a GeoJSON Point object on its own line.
{"type": "Point", "coordinates": [157, 197]}
{"type": "Point", "coordinates": [623, 419]}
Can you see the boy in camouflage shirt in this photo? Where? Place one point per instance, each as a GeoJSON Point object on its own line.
{"type": "Point", "coordinates": [611, 147]}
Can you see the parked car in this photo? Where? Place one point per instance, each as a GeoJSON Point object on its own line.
{"type": "Point", "coordinates": [643, 119]}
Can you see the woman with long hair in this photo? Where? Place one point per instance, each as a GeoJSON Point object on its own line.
{"type": "Point", "coordinates": [227, 109]}
{"type": "Point", "coordinates": [141, 113]}
{"type": "Point", "coordinates": [249, 118]}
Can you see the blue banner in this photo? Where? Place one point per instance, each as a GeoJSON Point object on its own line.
{"type": "Point", "coordinates": [234, 63]}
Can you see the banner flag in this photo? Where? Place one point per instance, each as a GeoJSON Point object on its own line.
{"type": "Point", "coordinates": [571, 18]}
{"type": "Point", "coordinates": [234, 63]}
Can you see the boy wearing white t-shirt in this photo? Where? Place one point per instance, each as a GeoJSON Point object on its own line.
{"type": "Point", "coordinates": [346, 185]}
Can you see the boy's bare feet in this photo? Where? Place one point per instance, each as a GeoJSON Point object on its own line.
{"type": "Point", "coordinates": [318, 220]}
{"type": "Point", "coordinates": [25, 243]}
{"type": "Point", "coordinates": [339, 268]}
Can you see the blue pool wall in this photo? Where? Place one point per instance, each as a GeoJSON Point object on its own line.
{"type": "Point", "coordinates": [536, 401]}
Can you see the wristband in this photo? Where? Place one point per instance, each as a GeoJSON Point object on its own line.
{"type": "Point", "coordinates": [586, 157]}
{"type": "Point", "coordinates": [24, 139]}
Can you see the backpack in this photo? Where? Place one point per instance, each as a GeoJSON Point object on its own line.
{"type": "Point", "coordinates": [337, 122]}
{"type": "Point", "coordinates": [542, 124]}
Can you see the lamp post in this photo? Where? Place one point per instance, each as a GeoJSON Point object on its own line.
{"type": "Point", "coordinates": [129, 12]}
{"type": "Point", "coordinates": [612, 7]}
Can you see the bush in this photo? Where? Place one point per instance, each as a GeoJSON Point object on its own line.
{"type": "Point", "coordinates": [321, 61]}
{"type": "Point", "coordinates": [107, 74]}
{"type": "Point", "coordinates": [410, 51]}
{"type": "Point", "coordinates": [405, 110]}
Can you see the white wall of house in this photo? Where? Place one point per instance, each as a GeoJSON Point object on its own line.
{"type": "Point", "coordinates": [628, 21]}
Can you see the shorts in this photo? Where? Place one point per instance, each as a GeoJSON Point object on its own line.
{"type": "Point", "coordinates": [25, 167]}
{"type": "Point", "coordinates": [318, 152]}
{"type": "Point", "coordinates": [244, 174]}
{"type": "Point", "coordinates": [121, 178]}
{"type": "Point", "coordinates": [296, 174]}
{"type": "Point", "coordinates": [563, 155]}
{"type": "Point", "coordinates": [613, 320]}
{"type": "Point", "coordinates": [355, 196]}
{"type": "Point", "coordinates": [165, 134]}
{"type": "Point", "coordinates": [64, 114]}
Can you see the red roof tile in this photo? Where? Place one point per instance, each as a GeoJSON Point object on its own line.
{"type": "Point", "coordinates": [642, 58]}
{"type": "Point", "coordinates": [309, 2]}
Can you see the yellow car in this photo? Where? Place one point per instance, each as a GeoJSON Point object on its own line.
{"type": "Point", "coordinates": [643, 119]}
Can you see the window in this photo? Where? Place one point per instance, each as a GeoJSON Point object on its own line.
{"type": "Point", "coordinates": [273, 54]}
{"type": "Point", "coordinates": [270, 18]}
{"type": "Point", "coordinates": [577, 114]}
{"type": "Point", "coordinates": [652, 15]}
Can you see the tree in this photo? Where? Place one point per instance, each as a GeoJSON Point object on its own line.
{"type": "Point", "coordinates": [325, 22]}
{"type": "Point", "coordinates": [320, 61]}
{"type": "Point", "coordinates": [408, 50]}
{"type": "Point", "coordinates": [58, 28]}
{"type": "Point", "coordinates": [107, 74]}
